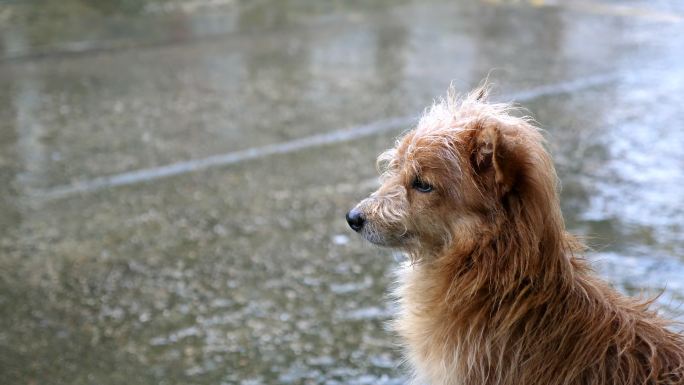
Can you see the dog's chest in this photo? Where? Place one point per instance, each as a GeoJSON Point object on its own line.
{"type": "Point", "coordinates": [429, 348]}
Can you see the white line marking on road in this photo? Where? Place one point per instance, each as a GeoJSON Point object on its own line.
{"type": "Point", "coordinates": [338, 136]}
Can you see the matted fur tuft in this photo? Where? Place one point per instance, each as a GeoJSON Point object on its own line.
{"type": "Point", "coordinates": [497, 291]}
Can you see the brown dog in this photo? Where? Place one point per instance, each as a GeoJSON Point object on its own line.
{"type": "Point", "coordinates": [496, 292]}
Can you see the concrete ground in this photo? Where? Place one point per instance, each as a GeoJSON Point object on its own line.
{"type": "Point", "coordinates": [174, 175]}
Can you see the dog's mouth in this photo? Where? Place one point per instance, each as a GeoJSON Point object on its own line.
{"type": "Point", "coordinates": [380, 233]}
{"type": "Point", "coordinates": [393, 240]}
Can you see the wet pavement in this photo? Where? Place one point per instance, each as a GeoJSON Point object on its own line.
{"type": "Point", "coordinates": [174, 176]}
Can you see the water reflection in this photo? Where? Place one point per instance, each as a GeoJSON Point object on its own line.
{"type": "Point", "coordinates": [10, 217]}
{"type": "Point", "coordinates": [501, 39]}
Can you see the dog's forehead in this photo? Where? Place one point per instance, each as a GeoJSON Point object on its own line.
{"type": "Point", "coordinates": [422, 142]}
{"type": "Point", "coordinates": [420, 150]}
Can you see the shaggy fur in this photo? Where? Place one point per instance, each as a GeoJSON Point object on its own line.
{"type": "Point", "coordinates": [496, 291]}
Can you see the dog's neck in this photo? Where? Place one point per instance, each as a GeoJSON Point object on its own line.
{"type": "Point", "coordinates": [506, 283]}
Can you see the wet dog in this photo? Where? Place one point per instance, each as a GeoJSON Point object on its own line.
{"type": "Point", "coordinates": [496, 291]}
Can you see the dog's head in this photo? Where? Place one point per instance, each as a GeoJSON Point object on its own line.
{"type": "Point", "coordinates": [464, 170]}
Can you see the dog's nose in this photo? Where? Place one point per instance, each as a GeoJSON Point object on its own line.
{"type": "Point", "coordinates": [355, 219]}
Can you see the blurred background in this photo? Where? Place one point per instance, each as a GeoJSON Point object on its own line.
{"type": "Point", "coordinates": [174, 174]}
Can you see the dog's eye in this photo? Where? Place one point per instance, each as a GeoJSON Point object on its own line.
{"type": "Point", "coordinates": [421, 186]}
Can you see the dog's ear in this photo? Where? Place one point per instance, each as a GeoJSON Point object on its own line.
{"type": "Point", "coordinates": [494, 156]}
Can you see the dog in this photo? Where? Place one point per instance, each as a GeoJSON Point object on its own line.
{"type": "Point", "coordinates": [495, 290]}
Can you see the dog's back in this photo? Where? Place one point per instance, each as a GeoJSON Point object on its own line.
{"type": "Point", "coordinates": [496, 292]}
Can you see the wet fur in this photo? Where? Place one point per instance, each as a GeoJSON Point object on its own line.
{"type": "Point", "coordinates": [496, 291]}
